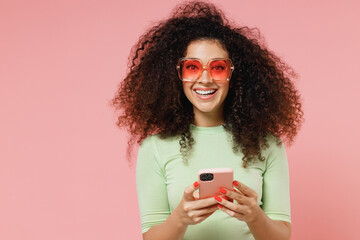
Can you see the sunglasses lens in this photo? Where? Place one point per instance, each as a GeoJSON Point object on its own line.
{"type": "Point", "coordinates": [220, 69]}
{"type": "Point", "coordinates": [190, 69]}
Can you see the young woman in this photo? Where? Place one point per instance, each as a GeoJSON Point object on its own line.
{"type": "Point", "coordinates": [203, 94]}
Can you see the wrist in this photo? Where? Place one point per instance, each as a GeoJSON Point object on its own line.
{"type": "Point", "coordinates": [178, 220]}
{"type": "Point", "coordinates": [258, 217]}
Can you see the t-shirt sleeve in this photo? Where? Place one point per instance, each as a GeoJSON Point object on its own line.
{"type": "Point", "coordinates": [151, 186]}
{"type": "Point", "coordinates": [276, 193]}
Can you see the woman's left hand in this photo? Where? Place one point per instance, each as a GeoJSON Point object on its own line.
{"type": "Point", "coordinates": [246, 209]}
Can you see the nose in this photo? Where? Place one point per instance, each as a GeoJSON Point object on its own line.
{"type": "Point", "coordinates": [205, 77]}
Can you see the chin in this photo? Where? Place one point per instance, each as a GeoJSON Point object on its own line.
{"type": "Point", "coordinates": [205, 109]}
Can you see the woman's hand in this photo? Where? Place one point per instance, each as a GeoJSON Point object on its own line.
{"type": "Point", "coordinates": [193, 210]}
{"type": "Point", "coordinates": [246, 209]}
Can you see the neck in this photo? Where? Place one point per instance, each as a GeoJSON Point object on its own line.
{"type": "Point", "coordinates": [210, 119]}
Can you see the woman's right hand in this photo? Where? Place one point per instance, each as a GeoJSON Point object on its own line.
{"type": "Point", "coordinates": [192, 210]}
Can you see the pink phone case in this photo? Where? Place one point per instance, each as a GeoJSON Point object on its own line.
{"type": "Point", "coordinates": [221, 177]}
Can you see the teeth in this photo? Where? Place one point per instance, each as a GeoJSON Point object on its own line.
{"type": "Point", "coordinates": [208, 92]}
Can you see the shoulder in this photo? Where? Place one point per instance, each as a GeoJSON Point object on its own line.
{"type": "Point", "coordinates": [157, 149]}
{"type": "Point", "coordinates": [148, 155]}
{"type": "Point", "coordinates": [147, 141]}
{"type": "Point", "coordinates": [273, 142]}
{"type": "Point", "coordinates": [160, 144]}
{"type": "Point", "coordinates": [157, 139]}
{"type": "Point", "coordinates": [275, 153]}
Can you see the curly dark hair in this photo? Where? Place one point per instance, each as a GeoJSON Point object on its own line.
{"type": "Point", "coordinates": [262, 99]}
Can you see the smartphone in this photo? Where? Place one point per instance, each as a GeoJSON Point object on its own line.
{"type": "Point", "coordinates": [212, 179]}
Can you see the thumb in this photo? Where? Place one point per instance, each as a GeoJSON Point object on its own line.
{"type": "Point", "coordinates": [189, 190]}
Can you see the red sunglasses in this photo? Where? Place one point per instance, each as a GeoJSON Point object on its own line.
{"type": "Point", "coordinates": [191, 69]}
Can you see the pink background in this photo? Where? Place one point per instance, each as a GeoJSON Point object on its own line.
{"type": "Point", "coordinates": [63, 173]}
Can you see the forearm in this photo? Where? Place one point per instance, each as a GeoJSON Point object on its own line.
{"type": "Point", "coordinates": [264, 228]}
{"type": "Point", "coordinates": [171, 229]}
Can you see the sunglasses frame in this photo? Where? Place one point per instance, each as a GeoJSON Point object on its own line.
{"type": "Point", "coordinates": [204, 67]}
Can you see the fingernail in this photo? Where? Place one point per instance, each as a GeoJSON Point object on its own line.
{"type": "Point", "coordinates": [219, 205]}
{"type": "Point", "coordinates": [217, 198]}
{"type": "Point", "coordinates": [196, 184]}
{"type": "Point", "coordinates": [236, 183]}
{"type": "Point", "coordinates": [222, 190]}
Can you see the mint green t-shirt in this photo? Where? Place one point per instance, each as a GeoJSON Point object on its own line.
{"type": "Point", "coordinates": [161, 177]}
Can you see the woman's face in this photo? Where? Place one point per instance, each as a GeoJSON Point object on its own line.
{"type": "Point", "coordinates": [212, 105]}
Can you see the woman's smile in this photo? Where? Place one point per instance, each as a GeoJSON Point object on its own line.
{"type": "Point", "coordinates": [205, 93]}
